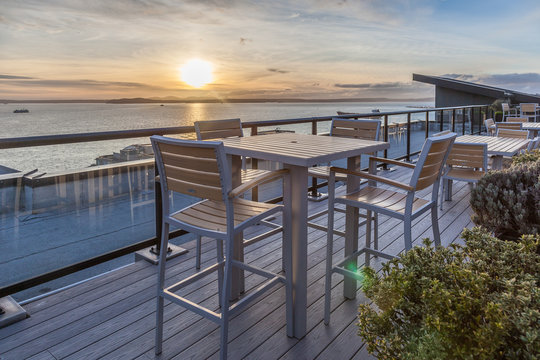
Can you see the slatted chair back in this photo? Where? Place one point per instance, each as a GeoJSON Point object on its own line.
{"type": "Point", "coordinates": [444, 132]}
{"type": "Point", "coordinates": [509, 125]}
{"type": "Point", "coordinates": [516, 120]}
{"type": "Point", "coordinates": [490, 126]}
{"type": "Point", "coordinates": [505, 107]}
{"type": "Point", "coordinates": [528, 108]}
{"type": "Point", "coordinates": [191, 167]}
{"type": "Point", "coordinates": [468, 155]}
{"type": "Point", "coordinates": [218, 129]}
{"type": "Point", "coordinates": [357, 129]}
{"type": "Point", "coordinates": [430, 163]}
{"type": "Point", "coordinates": [514, 134]}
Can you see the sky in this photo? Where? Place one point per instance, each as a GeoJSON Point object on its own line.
{"type": "Point", "coordinates": [318, 49]}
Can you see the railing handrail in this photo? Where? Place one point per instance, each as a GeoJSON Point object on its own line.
{"type": "Point", "coordinates": [43, 140]}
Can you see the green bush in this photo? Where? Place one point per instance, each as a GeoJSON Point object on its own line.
{"type": "Point", "coordinates": [507, 202]}
{"type": "Point", "coordinates": [476, 301]}
{"type": "Point", "coordinates": [526, 157]}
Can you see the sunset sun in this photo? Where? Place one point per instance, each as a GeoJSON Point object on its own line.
{"type": "Point", "coordinates": [196, 72]}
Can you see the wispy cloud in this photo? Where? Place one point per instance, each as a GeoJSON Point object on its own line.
{"type": "Point", "coordinates": [373, 85]}
{"type": "Point", "coordinates": [279, 71]}
{"type": "Point", "coordinates": [14, 77]}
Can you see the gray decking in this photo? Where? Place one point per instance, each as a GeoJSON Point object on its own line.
{"type": "Point", "coordinates": [113, 316]}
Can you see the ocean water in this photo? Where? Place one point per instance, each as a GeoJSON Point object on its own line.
{"type": "Point", "coordinates": [52, 119]}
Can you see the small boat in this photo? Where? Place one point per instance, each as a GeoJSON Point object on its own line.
{"type": "Point", "coordinates": [21, 111]}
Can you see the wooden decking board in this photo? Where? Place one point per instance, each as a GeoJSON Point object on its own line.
{"type": "Point", "coordinates": [103, 323]}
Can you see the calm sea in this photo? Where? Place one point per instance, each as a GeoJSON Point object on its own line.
{"type": "Point", "coordinates": [49, 119]}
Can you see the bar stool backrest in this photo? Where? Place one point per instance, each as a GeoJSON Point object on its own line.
{"type": "Point", "coordinates": [516, 120]}
{"type": "Point", "coordinates": [218, 129]}
{"type": "Point", "coordinates": [357, 129]}
{"type": "Point", "coordinates": [430, 163]}
{"type": "Point", "coordinates": [191, 167]}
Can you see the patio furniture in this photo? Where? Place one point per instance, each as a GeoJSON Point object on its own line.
{"type": "Point", "coordinates": [490, 126]}
{"type": "Point", "coordinates": [529, 110]}
{"type": "Point", "coordinates": [498, 147]}
{"type": "Point", "coordinates": [466, 162]}
{"type": "Point", "coordinates": [346, 128]}
{"type": "Point", "coordinates": [532, 127]}
{"type": "Point", "coordinates": [508, 125]}
{"type": "Point", "coordinates": [401, 204]}
{"type": "Point", "coordinates": [515, 134]}
{"type": "Point", "coordinates": [200, 168]}
{"type": "Point", "coordinates": [516, 120]}
{"type": "Point", "coordinates": [298, 153]}
{"type": "Point", "coordinates": [508, 111]}
{"type": "Point", "coordinates": [534, 144]}
{"type": "Point", "coordinates": [219, 129]}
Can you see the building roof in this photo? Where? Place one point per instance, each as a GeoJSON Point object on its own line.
{"type": "Point", "coordinates": [477, 89]}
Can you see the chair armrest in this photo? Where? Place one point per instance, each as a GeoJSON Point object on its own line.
{"type": "Point", "coordinates": [393, 162]}
{"type": "Point", "coordinates": [368, 176]}
{"type": "Point", "coordinates": [239, 190]}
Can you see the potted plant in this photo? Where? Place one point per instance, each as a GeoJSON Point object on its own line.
{"type": "Point", "coordinates": [480, 300]}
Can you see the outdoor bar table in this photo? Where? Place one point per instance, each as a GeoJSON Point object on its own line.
{"type": "Point", "coordinates": [532, 127]}
{"type": "Point", "coordinates": [298, 152]}
{"type": "Point", "coordinates": [497, 146]}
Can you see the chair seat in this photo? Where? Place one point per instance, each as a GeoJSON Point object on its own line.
{"type": "Point", "coordinates": [250, 174]}
{"type": "Point", "coordinates": [384, 199]}
{"type": "Point", "coordinates": [465, 174]}
{"type": "Point", "coordinates": [323, 172]}
{"type": "Point", "coordinates": [211, 215]}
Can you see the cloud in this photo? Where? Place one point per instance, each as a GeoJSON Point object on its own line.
{"type": "Point", "coordinates": [279, 71]}
{"type": "Point", "coordinates": [526, 82]}
{"type": "Point", "coordinates": [387, 85]}
{"type": "Point", "coordinates": [14, 77]}
{"type": "Point", "coordinates": [244, 40]}
{"type": "Point", "coordinates": [83, 83]}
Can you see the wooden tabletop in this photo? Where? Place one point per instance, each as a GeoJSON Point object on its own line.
{"type": "Point", "coordinates": [496, 145]}
{"type": "Point", "coordinates": [300, 149]}
{"type": "Point", "coordinates": [531, 126]}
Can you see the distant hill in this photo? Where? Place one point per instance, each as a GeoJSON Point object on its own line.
{"type": "Point", "coordinates": [172, 99]}
{"type": "Point", "coordinates": [261, 100]}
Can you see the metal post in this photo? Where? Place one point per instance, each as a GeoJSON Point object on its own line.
{"type": "Point", "coordinates": [159, 212]}
{"type": "Point", "coordinates": [409, 137]}
{"type": "Point", "coordinates": [314, 191]}
{"type": "Point", "coordinates": [453, 120]}
{"type": "Point", "coordinates": [427, 124]}
{"type": "Point", "coordinates": [385, 136]}
{"type": "Point", "coordinates": [441, 126]}
{"type": "Point", "coordinates": [463, 121]}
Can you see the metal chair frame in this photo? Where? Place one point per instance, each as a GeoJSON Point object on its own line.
{"type": "Point", "coordinates": [182, 172]}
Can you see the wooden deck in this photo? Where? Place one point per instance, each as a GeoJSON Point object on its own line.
{"type": "Point", "coordinates": [113, 316]}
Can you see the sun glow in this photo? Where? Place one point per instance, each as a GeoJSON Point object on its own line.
{"type": "Point", "coordinates": [196, 72]}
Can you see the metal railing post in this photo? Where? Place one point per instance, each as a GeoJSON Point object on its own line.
{"type": "Point", "coordinates": [385, 137]}
{"type": "Point", "coordinates": [409, 137]}
{"type": "Point", "coordinates": [441, 126]}
{"type": "Point", "coordinates": [314, 190]}
{"type": "Point", "coordinates": [453, 120]}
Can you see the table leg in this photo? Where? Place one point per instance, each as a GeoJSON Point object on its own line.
{"type": "Point", "coordinates": [238, 285]}
{"type": "Point", "coordinates": [448, 195]}
{"type": "Point", "coordinates": [351, 229]}
{"type": "Point", "coordinates": [295, 199]}
{"type": "Point", "coordinates": [497, 162]}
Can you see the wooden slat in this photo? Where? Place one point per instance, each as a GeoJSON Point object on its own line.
{"type": "Point", "coordinates": [514, 134]}
{"type": "Point", "coordinates": [190, 162]}
{"type": "Point", "coordinates": [192, 176]}
{"type": "Point", "coordinates": [193, 151]}
{"type": "Point", "coordinates": [197, 190]}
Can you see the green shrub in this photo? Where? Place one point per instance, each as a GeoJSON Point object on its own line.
{"type": "Point", "coordinates": [527, 157]}
{"type": "Point", "coordinates": [476, 301]}
{"type": "Point", "coordinates": [507, 202]}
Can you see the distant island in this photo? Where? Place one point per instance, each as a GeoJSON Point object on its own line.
{"type": "Point", "coordinates": [171, 99]}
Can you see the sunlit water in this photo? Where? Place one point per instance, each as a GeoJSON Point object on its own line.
{"type": "Point", "coordinates": [50, 119]}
